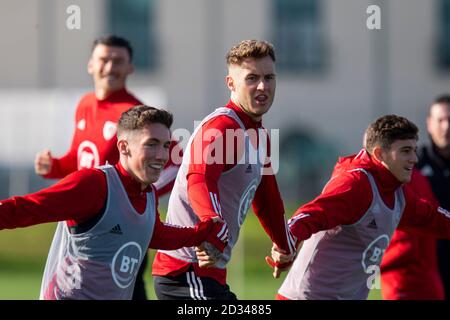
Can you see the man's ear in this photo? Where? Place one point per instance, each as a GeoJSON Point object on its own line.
{"type": "Point", "coordinates": [230, 82]}
{"type": "Point", "coordinates": [378, 153]}
{"type": "Point", "coordinates": [122, 145]}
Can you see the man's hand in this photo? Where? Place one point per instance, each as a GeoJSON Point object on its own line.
{"type": "Point", "coordinates": [207, 255]}
{"type": "Point", "coordinates": [210, 251]}
{"type": "Point", "coordinates": [280, 260]}
{"type": "Point", "coordinates": [218, 237]}
{"type": "Point", "coordinates": [43, 162]}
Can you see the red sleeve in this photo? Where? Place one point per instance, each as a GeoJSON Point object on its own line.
{"type": "Point", "coordinates": [79, 196]}
{"type": "Point", "coordinates": [344, 200]}
{"type": "Point", "coordinates": [268, 207]}
{"type": "Point", "coordinates": [63, 166]}
{"type": "Point", "coordinates": [203, 196]}
{"type": "Point", "coordinates": [424, 217]}
{"type": "Point", "coordinates": [170, 237]}
{"type": "Point", "coordinates": [203, 174]}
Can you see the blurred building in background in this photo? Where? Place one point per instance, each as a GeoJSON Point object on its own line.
{"type": "Point", "coordinates": [334, 74]}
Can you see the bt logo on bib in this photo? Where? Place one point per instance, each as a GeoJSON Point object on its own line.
{"type": "Point", "coordinates": [374, 252]}
{"type": "Point", "coordinates": [125, 264]}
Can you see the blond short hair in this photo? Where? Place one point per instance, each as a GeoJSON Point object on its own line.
{"type": "Point", "coordinates": [256, 49]}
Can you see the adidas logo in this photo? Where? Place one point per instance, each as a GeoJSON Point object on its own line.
{"type": "Point", "coordinates": [116, 229]}
{"type": "Point", "coordinates": [249, 169]}
{"type": "Point", "coordinates": [372, 225]}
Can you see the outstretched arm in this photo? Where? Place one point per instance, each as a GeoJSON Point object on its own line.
{"type": "Point", "coordinates": [170, 237]}
{"type": "Point", "coordinates": [79, 196]}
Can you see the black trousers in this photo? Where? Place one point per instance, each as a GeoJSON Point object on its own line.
{"type": "Point", "coordinates": [139, 292]}
{"type": "Point", "coordinates": [188, 286]}
{"type": "Point", "coordinates": [443, 253]}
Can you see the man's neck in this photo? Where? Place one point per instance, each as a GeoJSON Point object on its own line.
{"type": "Point", "coordinates": [255, 119]}
{"type": "Point", "coordinates": [129, 172]}
{"type": "Point", "coordinates": [102, 94]}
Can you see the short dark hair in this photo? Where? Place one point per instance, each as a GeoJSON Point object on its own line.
{"type": "Point", "coordinates": [388, 129]}
{"type": "Point", "coordinates": [139, 116]}
{"type": "Point", "coordinates": [250, 49]}
{"type": "Point", "coordinates": [442, 99]}
{"type": "Point", "coordinates": [114, 41]}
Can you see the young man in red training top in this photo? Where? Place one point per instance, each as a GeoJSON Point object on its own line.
{"type": "Point", "coordinates": [94, 140]}
{"type": "Point", "coordinates": [218, 179]}
{"type": "Point", "coordinates": [108, 216]}
{"type": "Point", "coordinates": [348, 227]}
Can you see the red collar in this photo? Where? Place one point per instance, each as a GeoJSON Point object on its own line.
{"type": "Point", "coordinates": [386, 181]}
{"type": "Point", "coordinates": [245, 118]}
{"type": "Point", "coordinates": [132, 187]}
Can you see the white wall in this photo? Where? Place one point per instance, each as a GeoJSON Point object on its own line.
{"type": "Point", "coordinates": [35, 119]}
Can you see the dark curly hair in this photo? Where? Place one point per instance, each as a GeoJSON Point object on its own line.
{"type": "Point", "coordinates": [388, 129]}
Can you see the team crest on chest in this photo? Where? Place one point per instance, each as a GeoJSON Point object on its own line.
{"type": "Point", "coordinates": [88, 156]}
{"type": "Point", "coordinates": [109, 130]}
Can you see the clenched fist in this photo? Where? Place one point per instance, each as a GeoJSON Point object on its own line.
{"type": "Point", "coordinates": [43, 162]}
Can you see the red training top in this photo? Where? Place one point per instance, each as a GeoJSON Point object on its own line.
{"type": "Point", "coordinates": [94, 140]}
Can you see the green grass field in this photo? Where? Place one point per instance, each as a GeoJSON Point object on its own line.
{"type": "Point", "coordinates": [23, 253]}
